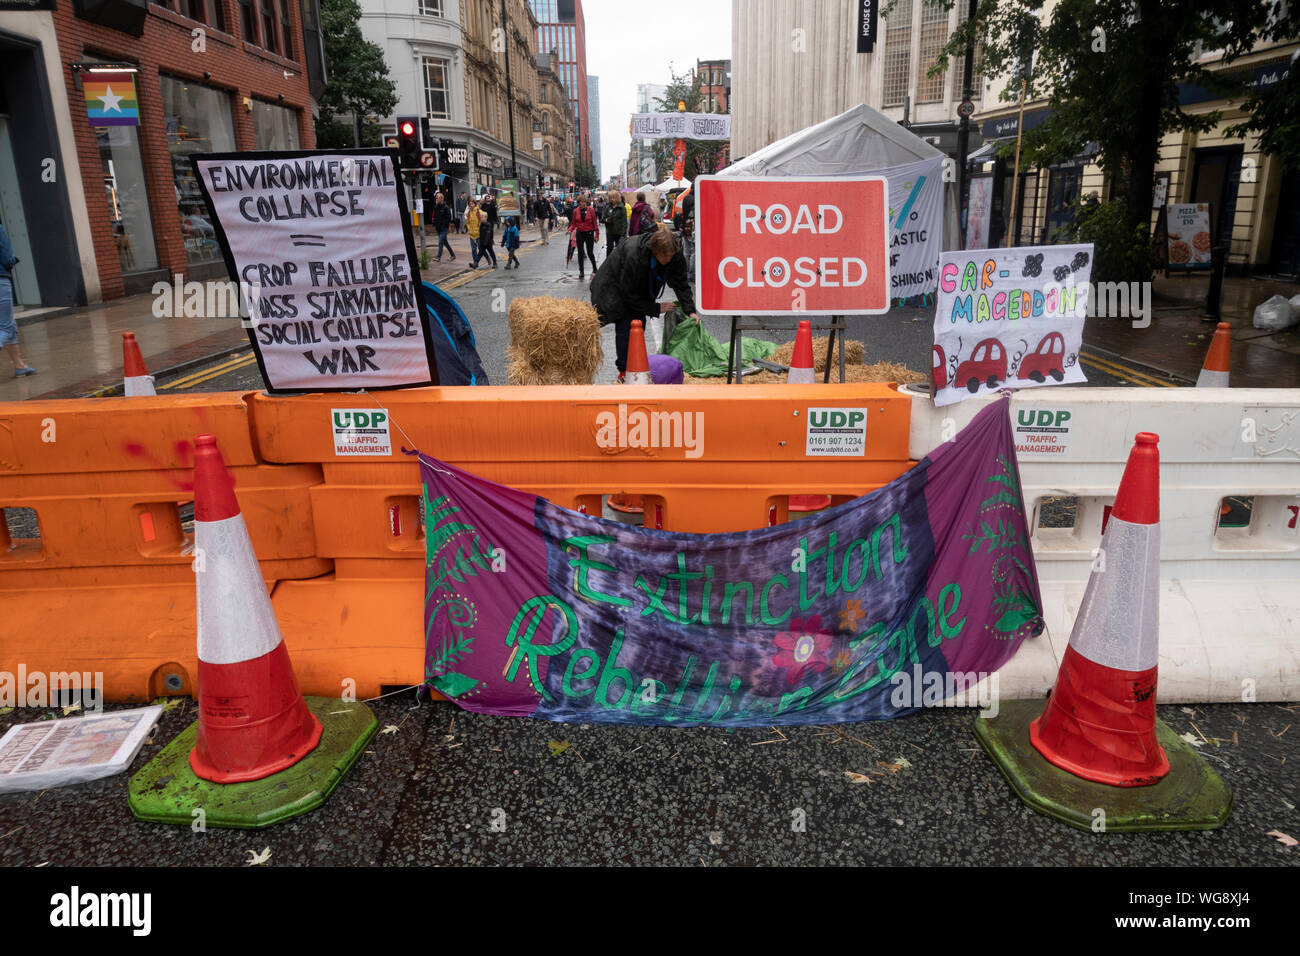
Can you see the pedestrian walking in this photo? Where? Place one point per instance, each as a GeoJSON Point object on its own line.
{"type": "Point", "coordinates": [585, 228]}
{"type": "Point", "coordinates": [510, 240]}
{"type": "Point", "coordinates": [545, 213]}
{"type": "Point", "coordinates": [615, 220]}
{"type": "Point", "coordinates": [441, 223]}
{"type": "Point", "coordinates": [472, 222]}
{"type": "Point", "coordinates": [490, 207]}
{"type": "Point", "coordinates": [630, 282]}
{"type": "Point", "coordinates": [485, 238]}
{"type": "Point", "coordinates": [461, 206]}
{"type": "Point", "coordinates": [643, 217]}
{"type": "Point", "coordinates": [8, 327]}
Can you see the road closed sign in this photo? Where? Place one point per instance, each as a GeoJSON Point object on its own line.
{"type": "Point", "coordinates": [777, 246]}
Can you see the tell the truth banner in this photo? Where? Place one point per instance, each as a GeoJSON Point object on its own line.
{"type": "Point", "coordinates": [535, 610]}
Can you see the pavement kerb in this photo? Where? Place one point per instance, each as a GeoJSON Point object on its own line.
{"type": "Point", "coordinates": [1121, 361]}
{"type": "Point", "coordinates": [171, 371]}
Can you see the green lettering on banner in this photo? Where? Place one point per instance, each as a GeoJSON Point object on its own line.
{"type": "Point", "coordinates": [801, 695]}
{"type": "Point", "coordinates": [805, 599]}
{"type": "Point", "coordinates": [762, 606]}
{"type": "Point", "coordinates": [581, 654]}
{"type": "Point", "coordinates": [832, 585]}
{"type": "Point", "coordinates": [932, 638]}
{"type": "Point", "coordinates": [681, 690]}
{"type": "Point", "coordinates": [530, 615]}
{"type": "Point", "coordinates": [729, 592]}
{"type": "Point", "coordinates": [950, 631]}
{"type": "Point", "coordinates": [681, 577]}
{"type": "Point", "coordinates": [610, 673]}
{"type": "Point", "coordinates": [583, 563]}
{"type": "Point", "coordinates": [858, 545]}
{"type": "Point", "coordinates": [899, 550]}
{"type": "Point", "coordinates": [656, 599]}
{"type": "Point", "coordinates": [840, 693]}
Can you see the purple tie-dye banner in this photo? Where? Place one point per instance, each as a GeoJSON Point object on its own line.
{"type": "Point", "coordinates": [535, 610]}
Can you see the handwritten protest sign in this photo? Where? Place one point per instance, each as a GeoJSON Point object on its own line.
{"type": "Point", "coordinates": [1009, 318]}
{"type": "Point", "coordinates": [321, 245]}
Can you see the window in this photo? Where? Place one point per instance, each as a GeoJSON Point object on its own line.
{"type": "Point", "coordinates": [541, 93]}
{"type": "Point", "coordinates": [435, 88]}
{"type": "Point", "coordinates": [128, 199]}
{"type": "Point", "coordinates": [274, 127]}
{"type": "Point", "coordinates": [268, 25]}
{"type": "Point", "coordinates": [544, 129]}
{"type": "Point", "coordinates": [430, 8]}
{"type": "Point", "coordinates": [934, 34]}
{"type": "Point", "coordinates": [546, 155]}
{"type": "Point", "coordinates": [898, 53]}
{"type": "Point", "coordinates": [246, 21]}
{"type": "Point", "coordinates": [198, 121]}
{"type": "Point", "coordinates": [286, 32]}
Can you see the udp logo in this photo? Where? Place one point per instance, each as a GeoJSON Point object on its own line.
{"type": "Point", "coordinates": [349, 418]}
{"type": "Point", "coordinates": [835, 418]}
{"type": "Point", "coordinates": [1042, 418]}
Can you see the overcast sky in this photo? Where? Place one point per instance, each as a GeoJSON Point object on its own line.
{"type": "Point", "coordinates": [632, 43]}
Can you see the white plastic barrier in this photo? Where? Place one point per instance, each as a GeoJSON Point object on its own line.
{"type": "Point", "coordinates": [1229, 597]}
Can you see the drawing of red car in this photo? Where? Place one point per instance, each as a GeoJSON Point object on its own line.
{"type": "Point", "coordinates": [1046, 359]}
{"type": "Point", "coordinates": [939, 368]}
{"type": "Point", "coordinates": [988, 364]}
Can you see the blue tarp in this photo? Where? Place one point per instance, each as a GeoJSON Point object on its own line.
{"type": "Point", "coordinates": [453, 340]}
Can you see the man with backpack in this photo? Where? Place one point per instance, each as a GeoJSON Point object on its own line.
{"type": "Point", "coordinates": [441, 223]}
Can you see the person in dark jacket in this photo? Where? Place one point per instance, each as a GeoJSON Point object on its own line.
{"type": "Point", "coordinates": [490, 207]}
{"type": "Point", "coordinates": [642, 214]}
{"type": "Point", "coordinates": [628, 284]}
{"type": "Point", "coordinates": [441, 223]}
{"type": "Point", "coordinates": [615, 220]}
{"type": "Point", "coordinates": [545, 213]}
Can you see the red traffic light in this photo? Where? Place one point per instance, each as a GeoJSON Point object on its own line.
{"type": "Point", "coordinates": [408, 128]}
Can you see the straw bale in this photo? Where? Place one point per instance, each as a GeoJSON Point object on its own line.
{"type": "Point", "coordinates": [557, 339]}
{"type": "Point", "coordinates": [854, 354]}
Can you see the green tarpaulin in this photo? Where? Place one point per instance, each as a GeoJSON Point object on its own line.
{"type": "Point", "coordinates": [704, 356]}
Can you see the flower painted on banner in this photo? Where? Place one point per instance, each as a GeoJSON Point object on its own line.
{"type": "Point", "coordinates": [841, 663]}
{"type": "Point", "coordinates": [852, 616]}
{"type": "Point", "coordinates": [803, 648]}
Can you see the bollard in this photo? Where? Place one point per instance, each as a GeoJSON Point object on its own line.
{"type": "Point", "coordinates": [1218, 260]}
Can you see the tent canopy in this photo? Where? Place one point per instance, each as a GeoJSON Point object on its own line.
{"type": "Point", "coordinates": [858, 141]}
{"type": "Point", "coordinates": [670, 184]}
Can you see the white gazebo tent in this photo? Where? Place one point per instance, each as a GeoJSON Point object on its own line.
{"type": "Point", "coordinates": [857, 141]}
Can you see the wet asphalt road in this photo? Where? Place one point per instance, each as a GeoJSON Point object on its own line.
{"type": "Point", "coordinates": [439, 790]}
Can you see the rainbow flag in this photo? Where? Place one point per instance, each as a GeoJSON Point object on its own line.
{"type": "Point", "coordinates": [110, 99]}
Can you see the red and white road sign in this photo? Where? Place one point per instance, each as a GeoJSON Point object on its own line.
{"type": "Point", "coordinates": [777, 246]}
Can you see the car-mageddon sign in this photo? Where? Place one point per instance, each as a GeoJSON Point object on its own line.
{"type": "Point", "coordinates": [779, 246]}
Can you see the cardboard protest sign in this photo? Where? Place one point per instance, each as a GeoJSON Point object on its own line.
{"type": "Point", "coordinates": [1009, 318]}
{"type": "Point", "coordinates": [320, 243]}
{"type": "Point", "coordinates": [1188, 230]}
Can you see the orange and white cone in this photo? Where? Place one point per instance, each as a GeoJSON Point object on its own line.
{"type": "Point", "coordinates": [253, 720]}
{"type": "Point", "coordinates": [1214, 373]}
{"type": "Point", "coordinates": [638, 362]}
{"type": "Point", "coordinates": [801, 364]}
{"type": "Point", "coordinates": [1099, 723]}
{"type": "Point", "coordinates": [136, 380]}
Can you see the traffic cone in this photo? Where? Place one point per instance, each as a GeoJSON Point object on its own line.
{"type": "Point", "coordinates": [1214, 373]}
{"type": "Point", "coordinates": [801, 364]}
{"type": "Point", "coordinates": [1098, 758]}
{"type": "Point", "coordinates": [1100, 720]}
{"type": "Point", "coordinates": [260, 752]}
{"type": "Point", "coordinates": [136, 379]}
{"type": "Point", "coordinates": [638, 363]}
{"type": "Point", "coordinates": [253, 721]}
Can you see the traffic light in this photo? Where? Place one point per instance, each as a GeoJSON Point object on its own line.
{"type": "Point", "coordinates": [408, 142]}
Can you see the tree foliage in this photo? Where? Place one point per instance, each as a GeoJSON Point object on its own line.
{"type": "Point", "coordinates": [701, 155]}
{"type": "Point", "coordinates": [358, 78]}
{"type": "Point", "coordinates": [584, 174]}
{"type": "Point", "coordinates": [1110, 70]}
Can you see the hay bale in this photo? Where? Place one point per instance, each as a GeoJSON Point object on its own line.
{"type": "Point", "coordinates": [880, 372]}
{"type": "Point", "coordinates": [553, 341]}
{"type": "Point", "coordinates": [854, 354]}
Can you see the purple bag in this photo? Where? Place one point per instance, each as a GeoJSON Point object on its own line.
{"type": "Point", "coordinates": [665, 370]}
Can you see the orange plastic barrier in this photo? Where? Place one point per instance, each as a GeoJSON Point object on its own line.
{"type": "Point", "coordinates": [108, 586]}
{"type": "Point", "coordinates": [341, 538]}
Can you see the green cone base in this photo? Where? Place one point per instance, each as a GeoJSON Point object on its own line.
{"type": "Point", "coordinates": [166, 790]}
{"type": "Point", "coordinates": [1190, 797]}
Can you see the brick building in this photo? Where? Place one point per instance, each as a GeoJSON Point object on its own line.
{"type": "Point", "coordinates": [203, 76]}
